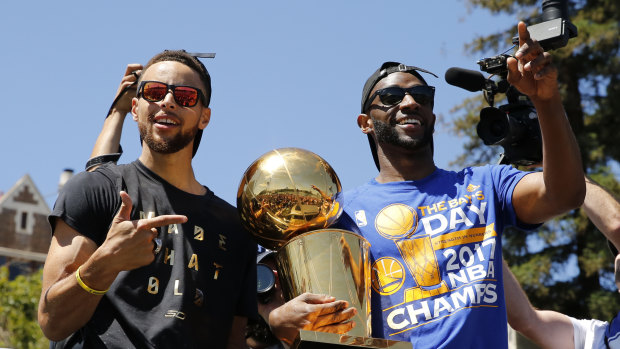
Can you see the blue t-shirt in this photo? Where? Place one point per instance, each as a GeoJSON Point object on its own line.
{"type": "Point", "coordinates": [436, 255]}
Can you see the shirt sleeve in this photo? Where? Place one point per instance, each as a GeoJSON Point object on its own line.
{"type": "Point", "coordinates": [589, 334]}
{"type": "Point", "coordinates": [505, 179]}
{"type": "Point", "coordinates": [87, 203]}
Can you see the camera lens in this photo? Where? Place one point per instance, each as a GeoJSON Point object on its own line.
{"type": "Point", "coordinates": [497, 128]}
{"type": "Point", "coordinates": [264, 278]}
{"type": "Point", "coordinates": [553, 9]}
{"type": "Point", "coordinates": [265, 282]}
{"type": "Point", "coordinates": [493, 126]}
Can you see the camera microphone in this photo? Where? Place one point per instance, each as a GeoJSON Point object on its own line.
{"type": "Point", "coordinates": [470, 80]}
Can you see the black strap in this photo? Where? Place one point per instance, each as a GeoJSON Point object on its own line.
{"type": "Point", "coordinates": [102, 159]}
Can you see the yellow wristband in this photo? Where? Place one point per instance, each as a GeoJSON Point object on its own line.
{"type": "Point", "coordinates": [85, 287]}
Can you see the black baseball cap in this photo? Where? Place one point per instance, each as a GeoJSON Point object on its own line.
{"type": "Point", "coordinates": [384, 70]}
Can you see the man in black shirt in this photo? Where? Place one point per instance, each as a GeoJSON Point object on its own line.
{"type": "Point", "coordinates": [143, 255]}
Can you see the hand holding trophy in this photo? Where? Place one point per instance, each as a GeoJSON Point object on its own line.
{"type": "Point", "coordinates": [287, 200]}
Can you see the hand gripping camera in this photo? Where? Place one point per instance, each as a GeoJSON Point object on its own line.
{"type": "Point", "coordinates": [514, 126]}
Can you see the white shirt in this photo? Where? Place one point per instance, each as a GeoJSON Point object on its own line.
{"type": "Point", "coordinates": [590, 334]}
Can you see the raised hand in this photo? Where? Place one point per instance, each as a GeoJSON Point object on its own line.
{"type": "Point", "coordinates": [129, 244]}
{"type": "Point", "coordinates": [532, 72]}
{"type": "Point", "coordinates": [128, 86]}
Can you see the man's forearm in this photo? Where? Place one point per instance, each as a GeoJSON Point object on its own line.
{"type": "Point", "coordinates": [547, 329]}
{"type": "Point", "coordinates": [110, 136]}
{"type": "Point", "coordinates": [65, 307]}
{"type": "Point", "coordinates": [603, 209]}
{"type": "Point", "coordinates": [562, 167]}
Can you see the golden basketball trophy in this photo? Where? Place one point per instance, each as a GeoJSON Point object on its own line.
{"type": "Point", "coordinates": [287, 200]}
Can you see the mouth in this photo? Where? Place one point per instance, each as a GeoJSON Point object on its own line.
{"type": "Point", "coordinates": [165, 120]}
{"type": "Point", "coordinates": [408, 121]}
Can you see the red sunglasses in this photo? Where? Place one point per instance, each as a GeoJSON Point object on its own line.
{"type": "Point", "coordinates": [155, 91]}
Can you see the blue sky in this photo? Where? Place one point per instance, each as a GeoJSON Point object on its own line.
{"type": "Point", "coordinates": [286, 74]}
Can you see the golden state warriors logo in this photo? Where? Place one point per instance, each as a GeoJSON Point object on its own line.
{"type": "Point", "coordinates": [396, 221]}
{"type": "Point", "coordinates": [388, 275]}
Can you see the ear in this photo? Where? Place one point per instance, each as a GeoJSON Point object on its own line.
{"type": "Point", "coordinates": [434, 119]}
{"type": "Point", "coordinates": [205, 117]}
{"type": "Point", "coordinates": [365, 123]}
{"type": "Point", "coordinates": [134, 108]}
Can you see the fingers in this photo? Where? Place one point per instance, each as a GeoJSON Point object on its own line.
{"type": "Point", "coordinates": [541, 66]}
{"type": "Point", "coordinates": [130, 78]}
{"type": "Point", "coordinates": [157, 243]}
{"type": "Point", "coordinates": [333, 307]}
{"type": "Point", "coordinates": [160, 221]}
{"type": "Point", "coordinates": [514, 75]}
{"type": "Point", "coordinates": [313, 298]}
{"type": "Point", "coordinates": [532, 59]}
{"type": "Point", "coordinates": [524, 35]}
{"type": "Point", "coordinates": [334, 318]}
{"type": "Point", "coordinates": [132, 74]}
{"type": "Point", "coordinates": [132, 67]}
{"type": "Point", "coordinates": [339, 328]}
{"type": "Point", "coordinates": [124, 212]}
{"type": "Point", "coordinates": [530, 51]}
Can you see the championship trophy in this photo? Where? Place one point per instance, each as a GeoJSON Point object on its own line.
{"type": "Point", "coordinates": [287, 200]}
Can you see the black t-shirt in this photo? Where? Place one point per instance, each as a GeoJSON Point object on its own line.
{"type": "Point", "coordinates": [203, 276]}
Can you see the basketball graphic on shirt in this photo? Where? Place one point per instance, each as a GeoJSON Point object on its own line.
{"type": "Point", "coordinates": [396, 221]}
{"type": "Point", "coordinates": [387, 275]}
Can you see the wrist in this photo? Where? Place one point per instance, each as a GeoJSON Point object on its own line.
{"type": "Point", "coordinates": [118, 112]}
{"type": "Point", "coordinates": [101, 159]}
{"type": "Point", "coordinates": [98, 272]}
{"type": "Point", "coordinates": [553, 97]}
{"type": "Point", "coordinates": [84, 285]}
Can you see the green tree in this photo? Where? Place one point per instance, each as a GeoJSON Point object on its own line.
{"type": "Point", "coordinates": [18, 306]}
{"type": "Point", "coordinates": [589, 76]}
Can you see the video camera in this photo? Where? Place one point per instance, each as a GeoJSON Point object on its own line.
{"type": "Point", "coordinates": [514, 126]}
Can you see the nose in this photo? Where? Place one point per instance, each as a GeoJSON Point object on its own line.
{"type": "Point", "coordinates": [168, 101]}
{"type": "Point", "coordinates": [409, 102]}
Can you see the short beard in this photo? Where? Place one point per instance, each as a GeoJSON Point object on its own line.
{"type": "Point", "coordinates": [386, 133]}
{"type": "Point", "coordinates": [173, 145]}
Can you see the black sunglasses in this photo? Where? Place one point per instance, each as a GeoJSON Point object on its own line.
{"type": "Point", "coordinates": [393, 95]}
{"type": "Point", "coordinates": [155, 91]}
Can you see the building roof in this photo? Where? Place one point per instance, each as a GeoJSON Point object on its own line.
{"type": "Point", "coordinates": [24, 192]}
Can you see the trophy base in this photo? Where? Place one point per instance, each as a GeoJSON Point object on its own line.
{"type": "Point", "coordinates": [323, 340]}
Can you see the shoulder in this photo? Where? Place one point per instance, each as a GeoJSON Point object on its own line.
{"type": "Point", "coordinates": [100, 179]}
{"type": "Point", "coordinates": [87, 203]}
{"type": "Point", "coordinates": [221, 204]}
{"type": "Point", "coordinates": [228, 215]}
{"type": "Point", "coordinates": [350, 195]}
{"type": "Point", "coordinates": [498, 175]}
{"type": "Point", "coordinates": [487, 170]}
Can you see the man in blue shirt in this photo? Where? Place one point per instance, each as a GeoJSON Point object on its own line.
{"type": "Point", "coordinates": [435, 235]}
